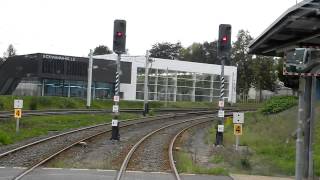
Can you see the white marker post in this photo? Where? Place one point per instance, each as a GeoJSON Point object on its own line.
{"type": "Point", "coordinates": [238, 120]}
{"type": "Point", "coordinates": [17, 105]}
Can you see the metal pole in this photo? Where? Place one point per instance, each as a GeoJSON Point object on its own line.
{"type": "Point", "coordinates": [17, 125]}
{"type": "Point", "coordinates": [237, 142]}
{"type": "Point", "coordinates": [146, 90]}
{"type": "Point", "coordinates": [89, 79]}
{"type": "Point", "coordinates": [299, 141]}
{"type": "Point", "coordinates": [311, 130]}
{"type": "Point", "coordinates": [306, 124]}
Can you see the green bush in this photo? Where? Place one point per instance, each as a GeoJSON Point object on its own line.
{"type": "Point", "coordinates": [1, 106]}
{"type": "Point", "coordinates": [33, 103]}
{"type": "Point", "coordinates": [68, 103]}
{"type": "Point", "coordinates": [4, 138]}
{"type": "Point", "coordinates": [45, 101]}
{"type": "Point", "coordinates": [278, 103]}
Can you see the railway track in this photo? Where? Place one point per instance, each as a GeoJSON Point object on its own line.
{"type": "Point", "coordinates": [9, 114]}
{"type": "Point", "coordinates": [147, 154]}
{"type": "Point", "coordinates": [37, 153]}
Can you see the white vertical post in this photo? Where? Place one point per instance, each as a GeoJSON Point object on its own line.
{"type": "Point", "coordinates": [17, 125]}
{"type": "Point", "coordinates": [146, 90]}
{"type": "Point", "coordinates": [89, 80]}
{"type": "Point", "coordinates": [166, 89]}
{"type": "Point", "coordinates": [175, 87]}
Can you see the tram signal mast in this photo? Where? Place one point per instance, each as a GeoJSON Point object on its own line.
{"type": "Point", "coordinates": [224, 50]}
{"type": "Point", "coordinates": [119, 47]}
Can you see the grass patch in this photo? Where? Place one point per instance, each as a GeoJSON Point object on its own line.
{"type": "Point", "coordinates": [186, 165]}
{"type": "Point", "coordinates": [42, 125]}
{"type": "Point", "coordinates": [216, 159]}
{"type": "Point", "coordinates": [270, 144]}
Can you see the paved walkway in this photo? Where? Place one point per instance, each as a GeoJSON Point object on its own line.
{"type": "Point", "coordinates": [252, 177]}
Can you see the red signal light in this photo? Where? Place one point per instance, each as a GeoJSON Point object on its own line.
{"type": "Point", "coordinates": [119, 34]}
{"type": "Point", "coordinates": [224, 38]}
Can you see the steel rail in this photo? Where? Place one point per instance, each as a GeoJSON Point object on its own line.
{"type": "Point", "coordinates": [170, 150]}
{"type": "Point", "coordinates": [133, 149]}
{"type": "Point", "coordinates": [78, 130]}
{"type": "Point", "coordinates": [30, 169]}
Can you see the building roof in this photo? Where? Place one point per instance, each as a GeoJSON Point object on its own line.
{"type": "Point", "coordinates": [299, 26]}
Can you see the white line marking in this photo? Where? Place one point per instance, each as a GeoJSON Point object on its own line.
{"type": "Point", "coordinates": [52, 168]}
{"type": "Point", "coordinates": [105, 170]}
{"type": "Point", "coordinates": [75, 169]}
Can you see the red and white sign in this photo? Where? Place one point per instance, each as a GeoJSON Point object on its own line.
{"type": "Point", "coordinates": [116, 98]}
{"type": "Point", "coordinates": [221, 103]}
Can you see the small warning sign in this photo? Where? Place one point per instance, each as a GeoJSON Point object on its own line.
{"type": "Point", "coordinates": [237, 129]}
{"type": "Point", "coordinates": [17, 113]}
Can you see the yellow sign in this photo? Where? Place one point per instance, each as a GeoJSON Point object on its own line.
{"type": "Point", "coordinates": [237, 129]}
{"type": "Point", "coordinates": [17, 113]}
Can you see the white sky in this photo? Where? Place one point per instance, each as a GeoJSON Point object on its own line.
{"type": "Point", "coordinates": [72, 27]}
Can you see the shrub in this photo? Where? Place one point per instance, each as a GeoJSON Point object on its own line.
{"type": "Point", "coordinates": [245, 163]}
{"type": "Point", "coordinates": [33, 103]}
{"type": "Point", "coordinates": [4, 138]}
{"type": "Point", "coordinates": [278, 103]}
{"type": "Point", "coordinates": [68, 103]}
{"type": "Point", "coordinates": [45, 101]}
{"type": "Point", "coordinates": [1, 106]}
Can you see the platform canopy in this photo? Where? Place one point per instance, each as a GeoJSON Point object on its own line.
{"type": "Point", "coordinates": [299, 26]}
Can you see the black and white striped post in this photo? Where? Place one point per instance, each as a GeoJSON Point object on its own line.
{"type": "Point", "coordinates": [116, 99]}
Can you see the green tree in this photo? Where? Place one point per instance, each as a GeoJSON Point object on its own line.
{"type": "Point", "coordinates": [166, 50]}
{"type": "Point", "coordinates": [243, 61]}
{"type": "Point", "coordinates": [11, 51]}
{"type": "Point", "coordinates": [202, 53]}
{"type": "Point", "coordinates": [101, 50]}
{"type": "Point", "coordinates": [264, 74]}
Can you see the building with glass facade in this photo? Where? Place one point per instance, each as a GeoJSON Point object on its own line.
{"type": "Point", "coordinates": [175, 80]}
{"type": "Point", "coordinates": [57, 75]}
{"type": "Point", "coordinates": [169, 80]}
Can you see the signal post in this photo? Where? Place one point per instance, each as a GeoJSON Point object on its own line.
{"type": "Point", "coordinates": [119, 47]}
{"type": "Point", "coordinates": [224, 50]}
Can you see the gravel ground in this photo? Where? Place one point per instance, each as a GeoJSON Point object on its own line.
{"type": "Point", "coordinates": [152, 155]}
{"type": "Point", "coordinates": [102, 153]}
{"type": "Point", "coordinates": [195, 142]}
{"type": "Point", "coordinates": [31, 155]}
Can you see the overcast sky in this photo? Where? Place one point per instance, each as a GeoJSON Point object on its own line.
{"type": "Point", "coordinates": [72, 27]}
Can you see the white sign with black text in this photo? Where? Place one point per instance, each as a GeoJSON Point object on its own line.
{"type": "Point", "coordinates": [220, 113]}
{"type": "Point", "coordinates": [114, 122]}
{"type": "Point", "coordinates": [115, 108]}
{"type": "Point", "coordinates": [18, 104]}
{"type": "Point", "coordinates": [220, 128]}
{"type": "Point", "coordinates": [238, 118]}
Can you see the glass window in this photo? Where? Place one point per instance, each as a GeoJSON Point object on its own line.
{"type": "Point", "coordinates": [139, 95]}
{"type": "Point", "coordinates": [104, 90]}
{"type": "Point", "coordinates": [184, 90]}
